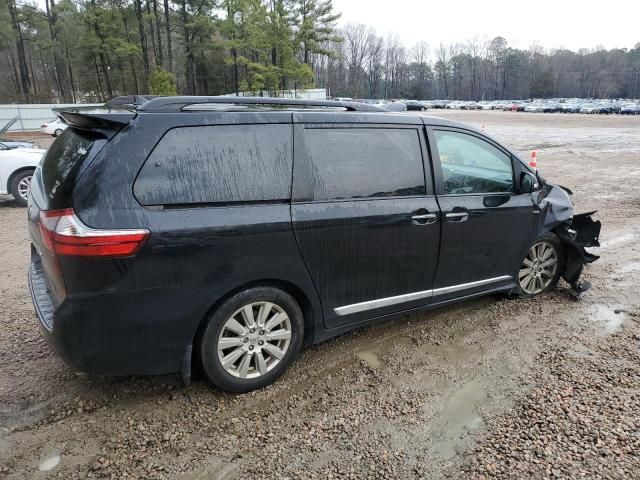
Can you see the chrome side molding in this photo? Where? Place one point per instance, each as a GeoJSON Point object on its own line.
{"type": "Point", "coordinates": [409, 297]}
{"type": "Point", "coordinates": [465, 286]}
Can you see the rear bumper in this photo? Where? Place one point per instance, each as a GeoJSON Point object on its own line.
{"type": "Point", "coordinates": [66, 346]}
{"type": "Point", "coordinates": [143, 332]}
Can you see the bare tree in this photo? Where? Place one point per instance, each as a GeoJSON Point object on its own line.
{"type": "Point", "coordinates": [374, 67]}
{"type": "Point", "coordinates": [358, 40]}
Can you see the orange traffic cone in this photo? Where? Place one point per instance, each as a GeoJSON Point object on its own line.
{"type": "Point", "coordinates": [534, 160]}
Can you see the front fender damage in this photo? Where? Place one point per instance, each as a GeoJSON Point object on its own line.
{"type": "Point", "coordinates": [576, 232]}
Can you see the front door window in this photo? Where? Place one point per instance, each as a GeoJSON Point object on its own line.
{"type": "Point", "coordinates": [472, 166]}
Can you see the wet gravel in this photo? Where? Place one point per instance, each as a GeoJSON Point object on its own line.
{"type": "Point", "coordinates": [493, 388]}
{"type": "Point", "coordinates": [578, 420]}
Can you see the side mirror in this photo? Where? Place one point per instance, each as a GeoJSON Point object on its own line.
{"type": "Point", "coordinates": [528, 182]}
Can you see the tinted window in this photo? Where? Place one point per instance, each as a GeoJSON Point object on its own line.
{"type": "Point", "coordinates": [364, 162]}
{"type": "Point", "coordinates": [218, 164]}
{"type": "Point", "coordinates": [472, 165]}
{"type": "Point", "coordinates": [63, 159]}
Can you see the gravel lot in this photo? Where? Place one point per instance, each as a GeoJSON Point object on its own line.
{"type": "Point", "coordinates": [493, 388]}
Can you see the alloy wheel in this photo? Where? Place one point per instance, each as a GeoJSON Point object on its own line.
{"type": "Point", "coordinates": [538, 268]}
{"type": "Point", "coordinates": [254, 339]}
{"type": "Point", "coordinates": [24, 185]}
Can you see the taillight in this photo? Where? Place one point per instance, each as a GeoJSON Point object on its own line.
{"type": "Point", "coordinates": [64, 234]}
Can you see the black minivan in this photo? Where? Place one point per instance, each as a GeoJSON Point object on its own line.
{"type": "Point", "coordinates": [227, 232]}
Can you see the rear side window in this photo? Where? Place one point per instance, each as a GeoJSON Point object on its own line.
{"type": "Point", "coordinates": [352, 163]}
{"type": "Point", "coordinates": [218, 164]}
{"type": "Point", "coordinates": [63, 159]}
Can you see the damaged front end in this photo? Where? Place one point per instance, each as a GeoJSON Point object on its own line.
{"type": "Point", "coordinates": [576, 232]}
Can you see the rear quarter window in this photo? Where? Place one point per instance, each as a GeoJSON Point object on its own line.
{"type": "Point", "coordinates": [64, 158]}
{"type": "Point", "coordinates": [218, 165]}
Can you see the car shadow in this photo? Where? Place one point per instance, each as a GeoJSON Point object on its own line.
{"type": "Point", "coordinates": [7, 201]}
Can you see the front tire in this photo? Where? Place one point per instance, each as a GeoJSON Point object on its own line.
{"type": "Point", "coordinates": [541, 267]}
{"type": "Point", "coordinates": [251, 339]}
{"type": "Point", "coordinates": [20, 187]}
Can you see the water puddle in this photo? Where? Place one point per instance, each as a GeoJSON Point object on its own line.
{"type": "Point", "coordinates": [49, 464]}
{"type": "Point", "coordinates": [612, 319]}
{"type": "Point", "coordinates": [459, 417]}
{"type": "Point", "coordinates": [370, 358]}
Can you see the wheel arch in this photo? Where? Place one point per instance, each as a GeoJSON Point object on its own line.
{"type": "Point", "coordinates": [309, 316]}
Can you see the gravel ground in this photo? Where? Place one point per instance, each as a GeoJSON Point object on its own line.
{"type": "Point", "coordinates": [501, 388]}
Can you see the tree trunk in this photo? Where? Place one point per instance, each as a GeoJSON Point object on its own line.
{"type": "Point", "coordinates": [153, 33]}
{"type": "Point", "coordinates": [105, 72]}
{"type": "Point", "coordinates": [143, 39]}
{"type": "Point", "coordinates": [156, 17]}
{"type": "Point", "coordinates": [14, 70]}
{"type": "Point", "coordinates": [33, 74]}
{"type": "Point", "coordinates": [71, 79]}
{"type": "Point", "coordinates": [22, 59]}
{"type": "Point", "coordinates": [58, 67]}
{"type": "Point", "coordinates": [188, 46]}
{"type": "Point", "coordinates": [132, 61]}
{"type": "Point", "coordinates": [167, 26]}
{"type": "Point", "coordinates": [95, 62]}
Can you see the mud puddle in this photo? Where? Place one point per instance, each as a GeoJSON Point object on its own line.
{"type": "Point", "coordinates": [609, 319]}
{"type": "Point", "coordinates": [459, 418]}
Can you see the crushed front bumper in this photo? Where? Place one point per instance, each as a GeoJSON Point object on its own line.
{"type": "Point", "coordinates": [582, 233]}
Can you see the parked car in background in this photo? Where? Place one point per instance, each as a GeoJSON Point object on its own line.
{"type": "Point", "coordinates": [606, 108]}
{"type": "Point", "coordinates": [395, 107]}
{"type": "Point", "coordinates": [469, 105]}
{"type": "Point", "coordinates": [510, 107]}
{"type": "Point", "coordinates": [416, 105]}
{"type": "Point", "coordinates": [630, 109]}
{"type": "Point", "coordinates": [455, 105]}
{"type": "Point", "coordinates": [11, 143]}
{"type": "Point", "coordinates": [550, 107]}
{"type": "Point", "coordinates": [547, 105]}
{"type": "Point", "coordinates": [281, 242]}
{"type": "Point", "coordinates": [534, 107]}
{"type": "Point", "coordinates": [54, 127]}
{"type": "Point", "coordinates": [589, 108]}
{"type": "Point", "coordinates": [16, 170]}
{"type": "Point", "coordinates": [380, 103]}
{"type": "Point", "coordinates": [440, 104]}
{"type": "Point", "coordinates": [570, 107]}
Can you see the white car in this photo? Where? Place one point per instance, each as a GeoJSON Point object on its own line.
{"type": "Point", "coordinates": [16, 169]}
{"type": "Point", "coordinates": [54, 127]}
{"type": "Point", "coordinates": [534, 107]}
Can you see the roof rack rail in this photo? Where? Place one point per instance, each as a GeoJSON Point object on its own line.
{"type": "Point", "coordinates": [177, 104]}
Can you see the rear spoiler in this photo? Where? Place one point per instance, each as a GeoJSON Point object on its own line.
{"type": "Point", "coordinates": [104, 120]}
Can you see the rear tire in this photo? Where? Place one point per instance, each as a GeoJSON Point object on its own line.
{"type": "Point", "coordinates": [541, 267]}
{"type": "Point", "coordinates": [20, 186]}
{"type": "Point", "coordinates": [251, 339]}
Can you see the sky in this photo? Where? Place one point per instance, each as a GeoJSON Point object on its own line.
{"type": "Point", "coordinates": [570, 24]}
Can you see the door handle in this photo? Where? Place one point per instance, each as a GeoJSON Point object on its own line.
{"type": "Point", "coordinates": [424, 218]}
{"type": "Point", "coordinates": [457, 216]}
